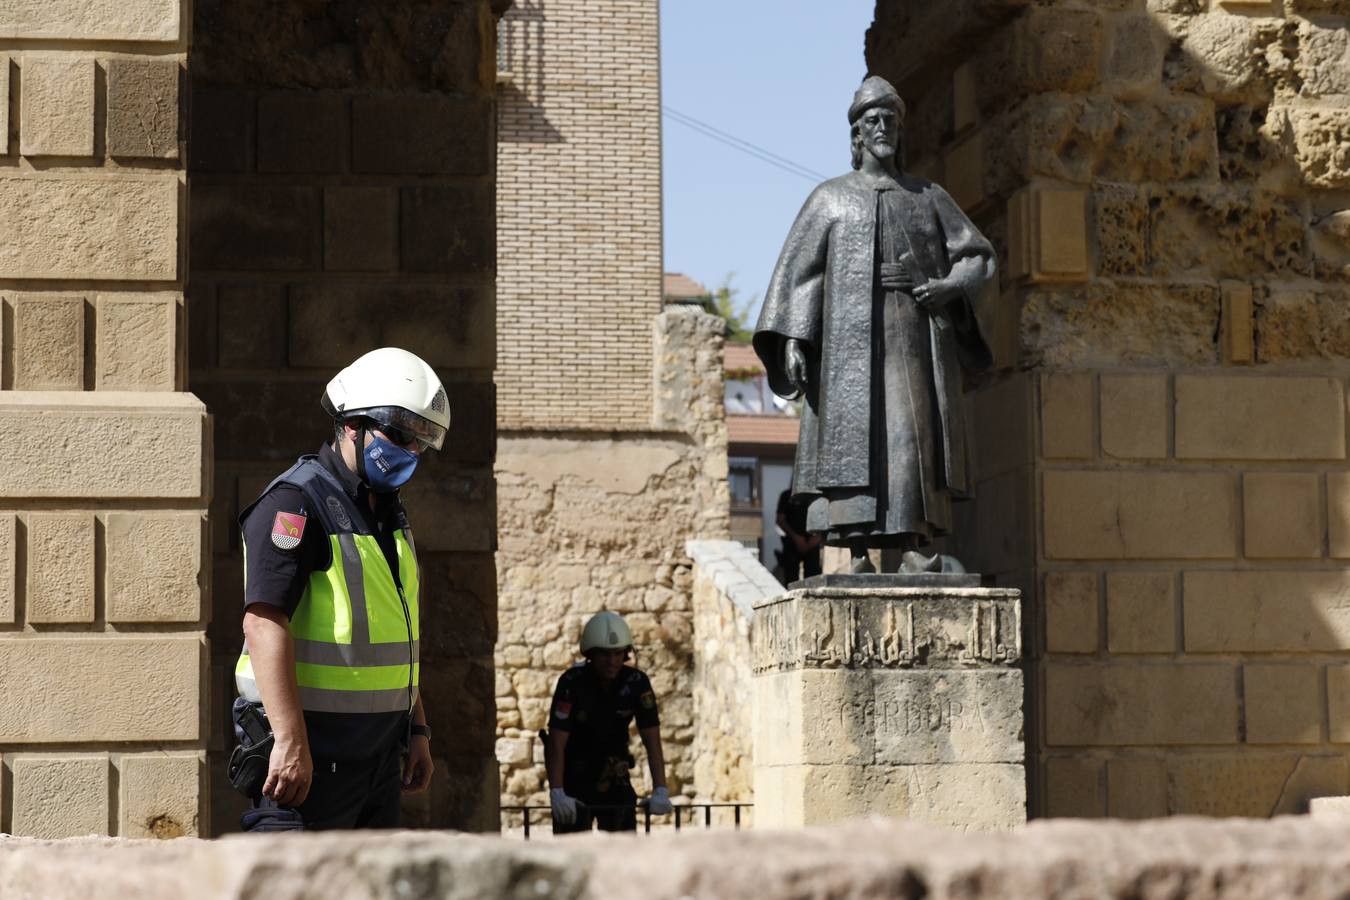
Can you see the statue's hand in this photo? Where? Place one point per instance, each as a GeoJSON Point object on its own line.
{"type": "Point", "coordinates": [935, 294]}
{"type": "Point", "coordinates": [794, 364]}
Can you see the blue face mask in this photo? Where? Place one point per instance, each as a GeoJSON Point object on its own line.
{"type": "Point", "coordinates": [387, 466]}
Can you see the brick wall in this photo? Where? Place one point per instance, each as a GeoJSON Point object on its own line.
{"type": "Point", "coordinates": [578, 214]}
{"type": "Point", "coordinates": [343, 181]}
{"type": "Point", "coordinates": [1161, 458]}
{"type": "Point", "coordinates": [104, 489]}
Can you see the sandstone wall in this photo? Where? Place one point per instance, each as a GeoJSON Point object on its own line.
{"type": "Point", "coordinates": [728, 580]}
{"type": "Point", "coordinates": [1161, 460]}
{"type": "Point", "coordinates": [106, 460]}
{"type": "Point", "coordinates": [599, 521]}
{"type": "Point", "coordinates": [578, 213]}
{"type": "Point", "coordinates": [343, 183]}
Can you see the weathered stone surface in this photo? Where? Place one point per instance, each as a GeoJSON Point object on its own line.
{"type": "Point", "coordinates": [1331, 244]}
{"type": "Point", "coordinates": [963, 169]}
{"type": "Point", "coordinates": [421, 134]}
{"type": "Point", "coordinates": [152, 566]}
{"type": "Point", "coordinates": [887, 628]}
{"type": "Point", "coordinates": [447, 326]}
{"type": "Point", "coordinates": [1071, 612]}
{"type": "Point", "coordinates": [1322, 146]}
{"type": "Point", "coordinates": [1139, 515]}
{"type": "Point", "coordinates": [89, 227]}
{"type": "Point", "coordinates": [58, 106]}
{"type": "Point", "coordinates": [407, 45]}
{"type": "Point", "coordinates": [1134, 59]}
{"type": "Point", "coordinates": [8, 571]}
{"type": "Point", "coordinates": [1323, 59]}
{"type": "Point", "coordinates": [1227, 232]}
{"type": "Point", "coordinates": [1290, 857]}
{"type": "Point", "coordinates": [1267, 612]}
{"type": "Point", "coordinates": [1135, 416]}
{"type": "Point", "coordinates": [60, 562]}
{"type": "Point", "coordinates": [1136, 788]}
{"type": "Point", "coordinates": [1123, 705]}
{"type": "Point", "coordinates": [99, 689]}
{"type": "Point", "coordinates": [110, 440]}
{"type": "Point", "coordinates": [143, 108]}
{"type": "Point", "coordinates": [1225, 48]}
{"type": "Point", "coordinates": [60, 796]}
{"type": "Point", "coordinates": [1282, 704]}
{"type": "Point", "coordinates": [455, 511]}
{"type": "Point", "coordinates": [360, 229]}
{"type": "Point", "coordinates": [1121, 217]}
{"type": "Point", "coordinates": [222, 125]}
{"type": "Point", "coordinates": [447, 229]}
{"type": "Point", "coordinates": [1235, 417]}
{"type": "Point", "coordinates": [1067, 426]}
{"type": "Point", "coordinates": [1338, 703]}
{"type": "Point", "coordinates": [1295, 324]}
{"type": "Point", "coordinates": [1282, 515]}
{"type": "Point", "coordinates": [251, 324]}
{"type": "Point", "coordinates": [1073, 787]}
{"type": "Point", "coordinates": [1250, 785]}
{"type": "Point", "coordinates": [1047, 235]}
{"type": "Point", "coordinates": [1140, 612]}
{"type": "Point", "coordinates": [137, 342]}
{"type": "Point", "coordinates": [48, 342]}
{"type": "Point", "coordinates": [4, 107]}
{"type": "Point", "coordinates": [255, 227]}
{"type": "Point", "coordinates": [1106, 324]}
{"type": "Point", "coordinates": [946, 717]}
{"type": "Point", "coordinates": [109, 20]}
{"type": "Point", "coordinates": [302, 132]}
{"type": "Point", "coordinates": [160, 795]}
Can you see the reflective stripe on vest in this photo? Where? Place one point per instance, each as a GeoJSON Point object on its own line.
{"type": "Point", "coordinates": [355, 635]}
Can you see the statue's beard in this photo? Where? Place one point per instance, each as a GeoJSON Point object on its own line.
{"type": "Point", "coordinates": [881, 148]}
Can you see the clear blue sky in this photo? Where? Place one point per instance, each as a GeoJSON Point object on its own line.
{"type": "Point", "coordinates": [779, 75]}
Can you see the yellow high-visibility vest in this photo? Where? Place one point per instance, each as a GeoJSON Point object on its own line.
{"type": "Point", "coordinates": [355, 629]}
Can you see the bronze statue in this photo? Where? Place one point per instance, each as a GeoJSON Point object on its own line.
{"type": "Point", "coordinates": [870, 316]}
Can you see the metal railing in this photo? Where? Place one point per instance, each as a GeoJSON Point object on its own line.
{"type": "Point", "coordinates": [678, 813]}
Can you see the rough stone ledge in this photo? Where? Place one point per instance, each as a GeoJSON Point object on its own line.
{"type": "Point", "coordinates": [1292, 857]}
{"type": "Point", "coordinates": [734, 571]}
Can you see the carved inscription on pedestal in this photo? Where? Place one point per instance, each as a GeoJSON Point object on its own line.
{"type": "Point", "coordinates": [909, 628]}
{"type": "Point", "coordinates": [940, 716]}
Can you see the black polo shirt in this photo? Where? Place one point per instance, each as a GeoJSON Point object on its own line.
{"type": "Point", "coordinates": [276, 574]}
{"type": "Point", "coordinates": [596, 717]}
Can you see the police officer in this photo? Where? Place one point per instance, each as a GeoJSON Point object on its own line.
{"type": "Point", "coordinates": [329, 664]}
{"type": "Point", "coordinates": [587, 750]}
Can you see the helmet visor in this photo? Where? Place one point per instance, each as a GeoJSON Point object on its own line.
{"type": "Point", "coordinates": [404, 427]}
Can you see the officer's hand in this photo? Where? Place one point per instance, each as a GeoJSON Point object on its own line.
{"type": "Point", "coordinates": [794, 364]}
{"type": "Point", "coordinates": [935, 294]}
{"type": "Point", "coordinates": [289, 773]}
{"type": "Point", "coordinates": [564, 807]}
{"type": "Point", "coordinates": [417, 768]}
{"type": "Point", "coordinates": [659, 802]}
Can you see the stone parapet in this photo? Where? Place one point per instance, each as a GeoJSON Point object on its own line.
{"type": "Point", "coordinates": [899, 701]}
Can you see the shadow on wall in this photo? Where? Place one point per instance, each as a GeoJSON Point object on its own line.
{"type": "Point", "coordinates": [521, 37]}
{"type": "Point", "coordinates": [1169, 190]}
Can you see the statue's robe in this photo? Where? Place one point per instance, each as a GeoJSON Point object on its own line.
{"type": "Point", "coordinates": [882, 448]}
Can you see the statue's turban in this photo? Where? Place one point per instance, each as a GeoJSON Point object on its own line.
{"type": "Point", "coordinates": [875, 91]}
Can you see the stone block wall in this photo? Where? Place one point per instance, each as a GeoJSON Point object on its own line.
{"type": "Point", "coordinates": [1161, 455]}
{"type": "Point", "coordinates": [728, 581]}
{"type": "Point", "coordinates": [103, 578]}
{"type": "Point", "coordinates": [578, 214]}
{"type": "Point", "coordinates": [343, 177]}
{"type": "Point", "coordinates": [600, 522]}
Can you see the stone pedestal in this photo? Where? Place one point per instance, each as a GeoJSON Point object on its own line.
{"type": "Point", "coordinates": [892, 699]}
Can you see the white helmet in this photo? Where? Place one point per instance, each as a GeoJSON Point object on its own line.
{"type": "Point", "coordinates": [606, 631]}
{"type": "Point", "coordinates": [396, 389]}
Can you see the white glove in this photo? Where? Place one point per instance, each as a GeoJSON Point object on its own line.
{"type": "Point", "coordinates": [564, 807]}
{"type": "Point", "coordinates": [659, 802]}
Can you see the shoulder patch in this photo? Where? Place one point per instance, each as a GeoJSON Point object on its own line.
{"type": "Point", "coordinates": [648, 700]}
{"type": "Point", "coordinates": [287, 529]}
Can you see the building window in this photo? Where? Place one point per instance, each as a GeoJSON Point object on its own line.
{"type": "Point", "coordinates": [744, 478]}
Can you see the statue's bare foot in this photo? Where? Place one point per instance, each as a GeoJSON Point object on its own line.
{"type": "Point", "coordinates": [862, 564]}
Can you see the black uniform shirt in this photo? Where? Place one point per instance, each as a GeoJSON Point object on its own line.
{"type": "Point", "coordinates": [596, 718]}
{"type": "Point", "coordinates": [277, 576]}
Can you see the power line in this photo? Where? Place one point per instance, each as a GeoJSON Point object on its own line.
{"type": "Point", "coordinates": [735, 143]}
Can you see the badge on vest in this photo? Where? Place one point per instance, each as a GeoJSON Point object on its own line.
{"type": "Point", "coordinates": [287, 529]}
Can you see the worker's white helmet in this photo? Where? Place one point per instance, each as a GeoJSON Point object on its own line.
{"type": "Point", "coordinates": [606, 631]}
{"type": "Point", "coordinates": [395, 388]}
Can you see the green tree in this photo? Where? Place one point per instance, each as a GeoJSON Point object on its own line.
{"type": "Point", "coordinates": [737, 312]}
